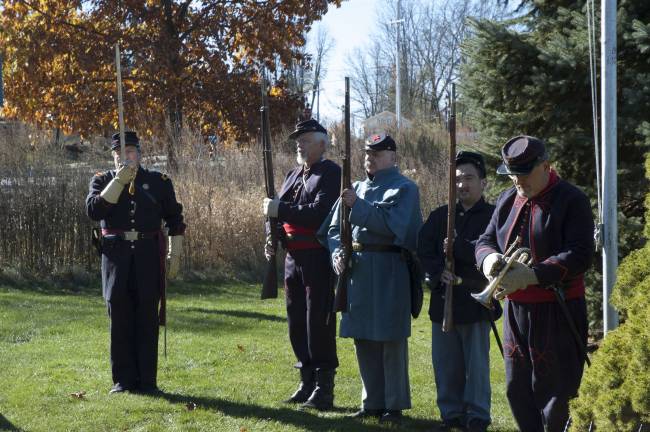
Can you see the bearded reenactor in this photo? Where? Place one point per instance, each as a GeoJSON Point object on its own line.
{"type": "Point", "coordinates": [306, 197]}
{"type": "Point", "coordinates": [545, 315]}
{"type": "Point", "coordinates": [132, 202]}
{"type": "Point", "coordinates": [461, 357]}
{"type": "Point", "coordinates": [385, 219]}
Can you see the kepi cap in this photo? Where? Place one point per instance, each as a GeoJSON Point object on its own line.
{"type": "Point", "coordinates": [470, 157]}
{"type": "Point", "coordinates": [521, 154]}
{"type": "Point", "coordinates": [380, 142]}
{"type": "Point", "coordinates": [303, 127]}
{"type": "Point", "coordinates": [130, 139]}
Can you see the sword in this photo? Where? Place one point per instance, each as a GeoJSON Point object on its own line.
{"type": "Point", "coordinates": [495, 331]}
{"type": "Point", "coordinates": [559, 296]}
{"type": "Point", "coordinates": [120, 101]}
{"type": "Point", "coordinates": [120, 110]}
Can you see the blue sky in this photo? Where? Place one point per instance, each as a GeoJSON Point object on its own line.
{"type": "Point", "coordinates": [349, 26]}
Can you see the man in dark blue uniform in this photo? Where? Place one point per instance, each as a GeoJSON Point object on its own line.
{"type": "Point", "coordinates": [306, 197]}
{"type": "Point", "coordinates": [131, 203]}
{"type": "Point", "coordinates": [461, 357]}
{"type": "Point", "coordinates": [545, 315]}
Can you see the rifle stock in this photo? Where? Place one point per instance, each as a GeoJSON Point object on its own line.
{"type": "Point", "coordinates": [270, 283]}
{"type": "Point", "coordinates": [448, 311]}
{"type": "Point", "coordinates": [345, 229]}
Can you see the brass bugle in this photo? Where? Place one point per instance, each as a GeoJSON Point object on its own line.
{"type": "Point", "coordinates": [522, 255]}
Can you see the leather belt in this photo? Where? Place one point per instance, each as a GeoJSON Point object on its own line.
{"type": "Point", "coordinates": [360, 247]}
{"type": "Point", "coordinates": [131, 235]}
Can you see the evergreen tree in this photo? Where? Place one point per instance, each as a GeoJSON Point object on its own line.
{"type": "Point", "coordinates": [615, 391]}
{"type": "Point", "coordinates": [530, 74]}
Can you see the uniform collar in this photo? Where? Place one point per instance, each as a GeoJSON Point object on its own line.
{"type": "Point", "coordinates": [383, 174]}
{"type": "Point", "coordinates": [478, 205]}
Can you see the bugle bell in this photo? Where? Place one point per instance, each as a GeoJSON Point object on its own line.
{"type": "Point", "coordinates": [521, 255]}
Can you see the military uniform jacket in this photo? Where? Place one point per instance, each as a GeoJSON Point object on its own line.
{"type": "Point", "coordinates": [306, 202]}
{"type": "Point", "coordinates": [386, 212]}
{"type": "Point", "coordinates": [154, 201]}
{"type": "Point", "coordinates": [470, 224]}
{"type": "Point", "coordinates": [559, 230]}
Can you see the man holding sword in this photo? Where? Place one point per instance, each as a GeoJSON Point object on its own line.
{"type": "Point", "coordinates": [131, 203]}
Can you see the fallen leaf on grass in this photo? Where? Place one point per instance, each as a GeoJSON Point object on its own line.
{"type": "Point", "coordinates": [191, 406]}
{"type": "Point", "coordinates": [240, 348]}
{"type": "Point", "coordinates": [243, 429]}
{"type": "Point", "coordinates": [78, 395]}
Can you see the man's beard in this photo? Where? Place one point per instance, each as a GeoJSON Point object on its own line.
{"type": "Point", "coordinates": [300, 159]}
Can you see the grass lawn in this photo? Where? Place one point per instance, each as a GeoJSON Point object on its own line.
{"type": "Point", "coordinates": [228, 368]}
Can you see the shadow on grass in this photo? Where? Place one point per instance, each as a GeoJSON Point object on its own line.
{"type": "Point", "coordinates": [6, 425]}
{"type": "Point", "coordinates": [89, 284]}
{"type": "Point", "coordinates": [306, 419]}
{"type": "Point", "coordinates": [238, 314]}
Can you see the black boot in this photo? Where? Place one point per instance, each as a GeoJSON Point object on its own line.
{"type": "Point", "coordinates": [323, 396]}
{"type": "Point", "coordinates": [305, 388]}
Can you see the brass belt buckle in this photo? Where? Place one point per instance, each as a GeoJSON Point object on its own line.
{"type": "Point", "coordinates": [130, 235]}
{"type": "Point", "coordinates": [357, 247]}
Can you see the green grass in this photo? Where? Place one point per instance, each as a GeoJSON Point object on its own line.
{"type": "Point", "coordinates": [228, 353]}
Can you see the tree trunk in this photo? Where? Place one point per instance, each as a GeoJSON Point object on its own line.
{"type": "Point", "coordinates": [175, 113]}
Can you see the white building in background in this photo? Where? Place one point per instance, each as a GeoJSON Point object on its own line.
{"type": "Point", "coordinates": [383, 122]}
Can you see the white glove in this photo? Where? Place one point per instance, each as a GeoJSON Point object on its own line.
{"type": "Point", "coordinates": [174, 256]}
{"type": "Point", "coordinates": [123, 177]}
{"type": "Point", "coordinates": [519, 276]}
{"type": "Point", "coordinates": [338, 262]}
{"type": "Point", "coordinates": [269, 250]}
{"type": "Point", "coordinates": [490, 263]}
{"type": "Point", "coordinates": [270, 207]}
{"type": "Point", "coordinates": [126, 173]}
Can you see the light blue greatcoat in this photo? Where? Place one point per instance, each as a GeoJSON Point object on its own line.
{"type": "Point", "coordinates": [387, 212]}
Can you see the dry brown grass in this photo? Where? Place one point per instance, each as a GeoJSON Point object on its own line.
{"type": "Point", "coordinates": [45, 229]}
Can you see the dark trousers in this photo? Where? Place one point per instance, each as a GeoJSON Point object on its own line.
{"type": "Point", "coordinates": [309, 291]}
{"type": "Point", "coordinates": [134, 332]}
{"type": "Point", "coordinates": [543, 362]}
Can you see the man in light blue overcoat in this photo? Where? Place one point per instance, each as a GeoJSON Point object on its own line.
{"type": "Point", "coordinates": [385, 218]}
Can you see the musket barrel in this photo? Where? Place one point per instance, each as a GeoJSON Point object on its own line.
{"type": "Point", "coordinates": [345, 229]}
{"type": "Point", "coordinates": [270, 283]}
{"type": "Point", "coordinates": [448, 311]}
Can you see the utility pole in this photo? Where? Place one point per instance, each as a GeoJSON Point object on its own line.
{"type": "Point", "coordinates": [398, 84]}
{"type": "Point", "coordinates": [609, 180]}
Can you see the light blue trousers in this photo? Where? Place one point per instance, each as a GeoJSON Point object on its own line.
{"type": "Point", "coordinates": [384, 368]}
{"type": "Point", "coordinates": [461, 366]}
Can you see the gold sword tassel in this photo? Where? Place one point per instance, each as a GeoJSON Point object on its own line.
{"type": "Point", "coordinates": [132, 187]}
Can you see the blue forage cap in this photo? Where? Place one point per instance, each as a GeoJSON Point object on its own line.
{"type": "Point", "coordinates": [521, 154]}
{"type": "Point", "coordinates": [130, 138]}
{"type": "Point", "coordinates": [473, 158]}
{"type": "Point", "coordinates": [380, 142]}
{"type": "Point", "coordinates": [310, 125]}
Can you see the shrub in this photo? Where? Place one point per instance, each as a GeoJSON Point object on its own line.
{"type": "Point", "coordinates": [615, 391]}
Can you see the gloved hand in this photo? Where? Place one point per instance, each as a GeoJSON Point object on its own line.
{"type": "Point", "coordinates": [270, 207]}
{"type": "Point", "coordinates": [448, 278]}
{"type": "Point", "coordinates": [174, 256]}
{"type": "Point", "coordinates": [126, 173]}
{"type": "Point", "coordinates": [269, 250]}
{"type": "Point", "coordinates": [338, 262]}
{"type": "Point", "coordinates": [491, 263]}
{"type": "Point", "coordinates": [123, 177]}
{"type": "Point", "coordinates": [519, 276]}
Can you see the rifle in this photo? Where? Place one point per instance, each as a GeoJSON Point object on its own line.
{"type": "Point", "coordinates": [345, 229]}
{"type": "Point", "coordinates": [448, 312]}
{"type": "Point", "coordinates": [270, 284]}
